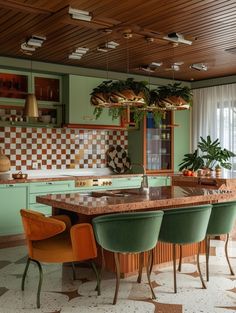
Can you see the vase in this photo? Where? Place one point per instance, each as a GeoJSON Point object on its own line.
{"type": "Point", "coordinates": [218, 172]}
{"type": "Point", "coordinates": [5, 164]}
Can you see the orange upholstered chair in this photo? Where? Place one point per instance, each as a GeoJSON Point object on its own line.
{"type": "Point", "coordinates": [54, 240]}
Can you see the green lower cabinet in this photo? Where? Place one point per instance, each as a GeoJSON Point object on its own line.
{"type": "Point", "coordinates": [13, 198]}
{"type": "Point", "coordinates": [129, 182]}
{"type": "Point", "coordinates": [44, 188]}
{"type": "Point", "coordinates": [158, 181]}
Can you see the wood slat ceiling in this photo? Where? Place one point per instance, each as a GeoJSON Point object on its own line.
{"type": "Point", "coordinates": [211, 24]}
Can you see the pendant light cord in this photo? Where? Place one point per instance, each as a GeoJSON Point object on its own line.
{"type": "Point", "coordinates": [127, 57]}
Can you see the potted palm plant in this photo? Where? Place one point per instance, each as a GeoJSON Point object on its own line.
{"type": "Point", "coordinates": [207, 156]}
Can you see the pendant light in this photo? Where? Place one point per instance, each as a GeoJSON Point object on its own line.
{"type": "Point", "coordinates": [31, 106]}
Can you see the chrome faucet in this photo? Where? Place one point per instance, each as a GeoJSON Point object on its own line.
{"type": "Point", "coordinates": [144, 184]}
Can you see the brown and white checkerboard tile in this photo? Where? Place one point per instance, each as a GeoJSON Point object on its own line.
{"type": "Point", "coordinates": [58, 148]}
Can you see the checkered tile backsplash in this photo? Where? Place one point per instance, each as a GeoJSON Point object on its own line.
{"type": "Point", "coordinates": [58, 148]}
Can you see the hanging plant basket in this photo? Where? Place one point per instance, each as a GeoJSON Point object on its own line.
{"type": "Point", "coordinates": [118, 95]}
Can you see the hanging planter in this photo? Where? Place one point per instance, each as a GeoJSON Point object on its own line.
{"type": "Point", "coordinates": [173, 96]}
{"type": "Point", "coordinates": [118, 95]}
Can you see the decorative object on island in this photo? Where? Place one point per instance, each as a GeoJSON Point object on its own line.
{"type": "Point", "coordinates": [218, 170]}
{"type": "Point", "coordinates": [5, 163]}
{"type": "Point", "coordinates": [31, 106]}
{"type": "Point", "coordinates": [206, 156]}
{"type": "Point", "coordinates": [120, 95]}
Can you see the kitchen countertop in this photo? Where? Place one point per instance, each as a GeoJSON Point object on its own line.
{"type": "Point", "coordinates": [67, 174]}
{"type": "Point", "coordinates": [133, 199]}
{"type": "Point", "coordinates": [227, 180]}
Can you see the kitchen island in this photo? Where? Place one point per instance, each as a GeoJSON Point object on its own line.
{"type": "Point", "coordinates": [87, 206]}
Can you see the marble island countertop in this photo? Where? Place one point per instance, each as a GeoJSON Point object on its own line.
{"type": "Point", "coordinates": [132, 199]}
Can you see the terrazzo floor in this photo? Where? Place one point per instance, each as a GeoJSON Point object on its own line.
{"type": "Point", "coordinates": [60, 294]}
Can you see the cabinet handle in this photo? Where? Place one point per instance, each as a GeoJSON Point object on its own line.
{"type": "Point", "coordinates": [10, 185]}
{"type": "Point", "coordinates": [49, 183]}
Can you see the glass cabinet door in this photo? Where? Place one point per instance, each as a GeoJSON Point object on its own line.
{"type": "Point", "coordinates": [159, 143]}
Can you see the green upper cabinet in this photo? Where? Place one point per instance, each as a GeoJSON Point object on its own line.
{"type": "Point", "coordinates": [47, 88]}
{"type": "Point", "coordinates": [76, 94]}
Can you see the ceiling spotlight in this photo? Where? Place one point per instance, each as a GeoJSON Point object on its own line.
{"type": "Point", "coordinates": [111, 44]}
{"type": "Point", "coordinates": [102, 49]}
{"type": "Point", "coordinates": [156, 64]}
{"type": "Point", "coordinates": [178, 38]}
{"type": "Point", "coordinates": [80, 14]}
{"type": "Point", "coordinates": [36, 41]}
{"type": "Point", "coordinates": [199, 66]}
{"type": "Point", "coordinates": [147, 69]}
{"type": "Point", "coordinates": [75, 56]}
{"type": "Point", "coordinates": [79, 53]}
{"type": "Point", "coordinates": [82, 50]}
{"type": "Point", "coordinates": [25, 47]}
{"type": "Point", "coordinates": [149, 39]}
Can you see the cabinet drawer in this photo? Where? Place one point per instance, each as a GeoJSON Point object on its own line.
{"type": "Point", "coordinates": [129, 182]}
{"type": "Point", "coordinates": [157, 181]}
{"type": "Point", "coordinates": [45, 209]}
{"type": "Point", "coordinates": [32, 196]}
{"type": "Point", "coordinates": [51, 186]}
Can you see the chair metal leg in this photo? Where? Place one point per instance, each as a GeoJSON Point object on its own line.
{"type": "Point", "coordinates": [198, 266]}
{"type": "Point", "coordinates": [73, 269]}
{"type": "Point", "coordinates": [149, 263]}
{"type": "Point", "coordinates": [98, 278]}
{"type": "Point", "coordinates": [174, 266]}
{"type": "Point", "coordinates": [226, 254]}
{"type": "Point", "coordinates": [24, 274]}
{"type": "Point", "coordinates": [103, 259]}
{"type": "Point", "coordinates": [40, 282]}
{"type": "Point", "coordinates": [117, 276]}
{"type": "Point", "coordinates": [141, 261]}
{"type": "Point", "coordinates": [180, 258]}
{"type": "Point", "coordinates": [207, 247]}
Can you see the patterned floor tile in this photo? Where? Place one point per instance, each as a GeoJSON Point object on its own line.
{"type": "Point", "coordinates": [60, 294]}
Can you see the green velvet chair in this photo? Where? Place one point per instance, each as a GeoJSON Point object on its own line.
{"type": "Point", "coordinates": [182, 226]}
{"type": "Point", "coordinates": [128, 233]}
{"type": "Point", "coordinates": [221, 222]}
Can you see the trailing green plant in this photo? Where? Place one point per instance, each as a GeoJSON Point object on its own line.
{"type": "Point", "coordinates": [97, 112]}
{"type": "Point", "coordinates": [208, 154]}
{"type": "Point", "coordinates": [175, 89]}
{"type": "Point", "coordinates": [116, 112]}
{"type": "Point", "coordinates": [110, 92]}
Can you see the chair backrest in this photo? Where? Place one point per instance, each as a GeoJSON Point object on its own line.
{"type": "Point", "coordinates": [128, 232]}
{"type": "Point", "coordinates": [222, 218]}
{"type": "Point", "coordinates": [39, 227]}
{"type": "Point", "coordinates": [185, 225]}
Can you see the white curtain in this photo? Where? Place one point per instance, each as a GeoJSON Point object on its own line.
{"type": "Point", "coordinates": [214, 114]}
